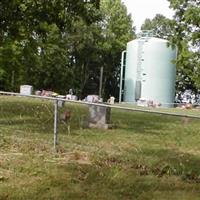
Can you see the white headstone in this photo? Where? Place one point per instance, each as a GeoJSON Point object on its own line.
{"type": "Point", "coordinates": [112, 100]}
{"type": "Point", "coordinates": [26, 89]}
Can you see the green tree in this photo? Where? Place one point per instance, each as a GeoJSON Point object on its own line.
{"type": "Point", "coordinates": [160, 25]}
{"type": "Point", "coordinates": [187, 38]}
{"type": "Point", "coordinates": [84, 51]}
{"type": "Point", "coordinates": [34, 40]}
{"type": "Point", "coordinates": [62, 44]}
{"type": "Point", "coordinates": [100, 44]}
{"type": "Point", "coordinates": [117, 30]}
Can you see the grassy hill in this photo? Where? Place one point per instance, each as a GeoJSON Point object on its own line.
{"type": "Point", "coordinates": [144, 156]}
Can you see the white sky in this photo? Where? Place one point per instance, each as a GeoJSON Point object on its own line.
{"type": "Point", "coordinates": [142, 9]}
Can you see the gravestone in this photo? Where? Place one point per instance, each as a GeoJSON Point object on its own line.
{"type": "Point", "coordinates": [99, 117]}
{"type": "Point", "coordinates": [26, 89]}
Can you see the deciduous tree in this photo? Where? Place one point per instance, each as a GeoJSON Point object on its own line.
{"type": "Point", "coordinates": [187, 38]}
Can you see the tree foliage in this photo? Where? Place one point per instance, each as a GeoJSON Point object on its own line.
{"type": "Point", "coordinates": [117, 30]}
{"type": "Point", "coordinates": [61, 44]}
{"type": "Point", "coordinates": [183, 32]}
{"type": "Point", "coordinates": [187, 38]}
{"type": "Point", "coordinates": [160, 25]}
{"type": "Point", "coordinates": [34, 41]}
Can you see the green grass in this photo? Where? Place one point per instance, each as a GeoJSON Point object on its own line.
{"type": "Point", "coordinates": [143, 157]}
{"type": "Point", "coordinates": [178, 110]}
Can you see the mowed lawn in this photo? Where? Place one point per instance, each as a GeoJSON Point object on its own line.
{"type": "Point", "coordinates": [144, 156]}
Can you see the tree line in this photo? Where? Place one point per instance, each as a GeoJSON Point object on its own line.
{"type": "Point", "coordinates": [183, 31]}
{"type": "Point", "coordinates": [62, 44]}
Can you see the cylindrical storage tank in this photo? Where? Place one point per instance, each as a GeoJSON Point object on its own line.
{"type": "Point", "coordinates": [150, 73]}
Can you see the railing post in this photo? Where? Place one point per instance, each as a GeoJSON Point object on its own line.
{"type": "Point", "coordinates": [55, 123]}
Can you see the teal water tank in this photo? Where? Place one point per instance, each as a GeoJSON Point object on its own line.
{"type": "Point", "coordinates": [149, 71]}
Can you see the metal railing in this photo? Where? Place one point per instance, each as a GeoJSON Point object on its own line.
{"type": "Point", "coordinates": [127, 107]}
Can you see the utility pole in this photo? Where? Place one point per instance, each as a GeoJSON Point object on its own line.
{"type": "Point", "coordinates": [101, 82]}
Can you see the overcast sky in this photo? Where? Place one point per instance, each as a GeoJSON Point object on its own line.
{"type": "Point", "coordinates": [142, 9]}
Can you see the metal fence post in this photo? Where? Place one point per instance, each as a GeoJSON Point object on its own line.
{"type": "Point", "coordinates": [55, 123]}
